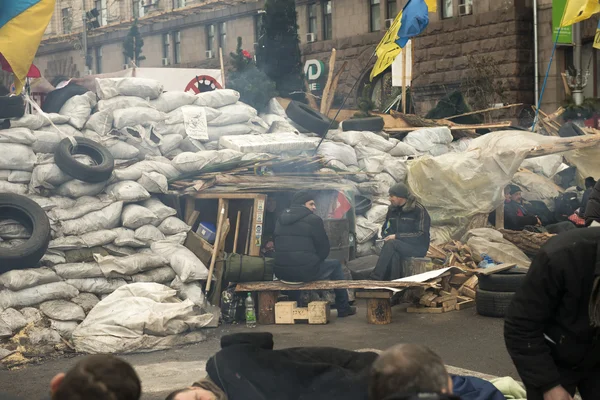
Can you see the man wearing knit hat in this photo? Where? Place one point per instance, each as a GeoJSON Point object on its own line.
{"type": "Point", "coordinates": [516, 216]}
{"type": "Point", "coordinates": [302, 247]}
{"type": "Point", "coordinates": [405, 232]}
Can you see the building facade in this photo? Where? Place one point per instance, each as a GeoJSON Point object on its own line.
{"type": "Point", "coordinates": [465, 42]}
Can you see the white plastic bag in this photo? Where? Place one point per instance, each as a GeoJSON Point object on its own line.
{"type": "Point", "coordinates": [62, 310]}
{"type": "Point", "coordinates": [157, 207]}
{"type": "Point", "coordinates": [128, 192]}
{"type": "Point", "coordinates": [191, 145]}
{"type": "Point", "coordinates": [376, 214]}
{"type": "Point", "coordinates": [128, 117]}
{"type": "Point", "coordinates": [19, 279]}
{"type": "Point", "coordinates": [140, 87]}
{"type": "Point", "coordinates": [185, 263]}
{"type": "Point", "coordinates": [130, 265]}
{"type": "Point", "coordinates": [169, 101]}
{"type": "Point", "coordinates": [17, 135]}
{"type": "Point", "coordinates": [173, 226]}
{"type": "Point", "coordinates": [11, 229]}
{"type": "Point", "coordinates": [119, 251]}
{"type": "Point", "coordinates": [107, 218]}
{"type": "Point", "coordinates": [545, 165]}
{"type": "Point", "coordinates": [217, 98]}
{"type": "Point", "coordinates": [189, 291]}
{"type": "Point", "coordinates": [37, 294]}
{"type": "Point", "coordinates": [16, 157]}
{"type": "Point", "coordinates": [67, 243]}
{"type": "Point", "coordinates": [425, 138]}
{"type": "Point", "coordinates": [135, 216]}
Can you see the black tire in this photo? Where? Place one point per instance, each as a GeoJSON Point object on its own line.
{"type": "Point", "coordinates": [507, 281]}
{"type": "Point", "coordinates": [373, 124]}
{"type": "Point", "coordinates": [101, 172]}
{"type": "Point", "coordinates": [58, 97]}
{"type": "Point", "coordinates": [33, 218]}
{"type": "Point", "coordinates": [12, 107]}
{"type": "Point", "coordinates": [308, 118]}
{"type": "Point", "coordinates": [493, 304]}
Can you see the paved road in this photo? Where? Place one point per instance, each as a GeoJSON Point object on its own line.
{"type": "Point", "coordinates": [462, 338]}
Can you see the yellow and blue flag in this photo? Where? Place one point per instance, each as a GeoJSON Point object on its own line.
{"type": "Point", "coordinates": [579, 10]}
{"type": "Point", "coordinates": [410, 22]}
{"type": "Point", "coordinates": [22, 26]}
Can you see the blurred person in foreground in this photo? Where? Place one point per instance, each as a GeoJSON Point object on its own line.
{"type": "Point", "coordinates": [552, 326]}
{"type": "Point", "coordinates": [97, 377]}
{"type": "Point", "coordinates": [405, 232]}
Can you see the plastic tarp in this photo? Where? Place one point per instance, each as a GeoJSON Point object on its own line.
{"type": "Point", "coordinates": [491, 242]}
{"type": "Point", "coordinates": [545, 165]}
{"type": "Point", "coordinates": [139, 317]}
{"type": "Point", "coordinates": [586, 161]}
{"type": "Point", "coordinates": [537, 187]}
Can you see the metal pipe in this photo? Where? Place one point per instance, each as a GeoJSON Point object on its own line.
{"type": "Point", "coordinates": [84, 37]}
{"type": "Point", "coordinates": [535, 53]}
{"type": "Point", "coordinates": [578, 90]}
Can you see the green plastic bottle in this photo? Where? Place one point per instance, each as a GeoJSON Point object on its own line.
{"type": "Point", "coordinates": [250, 313]}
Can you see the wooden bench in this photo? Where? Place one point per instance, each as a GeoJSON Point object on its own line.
{"type": "Point", "coordinates": [378, 299]}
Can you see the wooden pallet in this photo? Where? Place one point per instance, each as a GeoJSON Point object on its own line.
{"type": "Point", "coordinates": [288, 312]}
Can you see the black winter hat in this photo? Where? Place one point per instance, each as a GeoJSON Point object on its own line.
{"type": "Point", "coordinates": [514, 189]}
{"type": "Point", "coordinates": [399, 190]}
{"type": "Point", "coordinates": [302, 197]}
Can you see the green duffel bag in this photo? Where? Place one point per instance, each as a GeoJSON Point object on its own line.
{"type": "Point", "coordinates": [240, 268]}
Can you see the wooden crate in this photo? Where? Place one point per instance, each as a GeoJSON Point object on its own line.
{"type": "Point", "coordinates": [288, 312]}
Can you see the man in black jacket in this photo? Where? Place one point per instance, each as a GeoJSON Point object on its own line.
{"type": "Point", "coordinates": [405, 231]}
{"type": "Point", "coordinates": [302, 247]}
{"type": "Point", "coordinates": [592, 209]}
{"type": "Point", "coordinates": [590, 182]}
{"type": "Point", "coordinates": [551, 328]}
{"type": "Point", "coordinates": [516, 216]}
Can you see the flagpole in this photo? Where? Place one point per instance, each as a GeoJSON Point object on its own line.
{"type": "Point", "coordinates": [344, 101]}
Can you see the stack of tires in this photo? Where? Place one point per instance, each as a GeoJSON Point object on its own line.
{"type": "Point", "coordinates": [495, 292]}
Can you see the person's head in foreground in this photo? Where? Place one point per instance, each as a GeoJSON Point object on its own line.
{"type": "Point", "coordinates": [590, 182]}
{"type": "Point", "coordinates": [399, 194]}
{"type": "Point", "coordinates": [408, 369]}
{"type": "Point", "coordinates": [515, 193]}
{"type": "Point", "coordinates": [203, 390]}
{"type": "Point", "coordinates": [305, 198]}
{"type": "Point", "coordinates": [97, 377]}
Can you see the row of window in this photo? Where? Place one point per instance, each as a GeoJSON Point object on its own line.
{"type": "Point", "coordinates": [174, 37]}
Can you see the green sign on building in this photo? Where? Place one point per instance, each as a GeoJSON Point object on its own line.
{"type": "Point", "coordinates": [566, 33]}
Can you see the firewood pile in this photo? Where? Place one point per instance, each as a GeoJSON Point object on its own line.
{"type": "Point", "coordinates": [528, 242]}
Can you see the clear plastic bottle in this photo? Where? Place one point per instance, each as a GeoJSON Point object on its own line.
{"type": "Point", "coordinates": [250, 313]}
{"type": "Point", "coordinates": [484, 261]}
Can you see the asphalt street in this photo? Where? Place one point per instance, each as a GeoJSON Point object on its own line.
{"type": "Point", "coordinates": [463, 339]}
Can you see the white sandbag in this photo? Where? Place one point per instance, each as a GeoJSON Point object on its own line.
{"type": "Point", "coordinates": [79, 208]}
{"type": "Point", "coordinates": [491, 242]}
{"type": "Point", "coordinates": [76, 188]}
{"type": "Point", "coordinates": [119, 251]}
{"type": "Point", "coordinates": [48, 176]}
{"type": "Point", "coordinates": [173, 153]}
{"type": "Point", "coordinates": [544, 165]}
{"type": "Point", "coordinates": [96, 285]}
{"type": "Point", "coordinates": [17, 188]}
{"type": "Point", "coordinates": [87, 301]}
{"type": "Point", "coordinates": [192, 162]}
{"type": "Point", "coordinates": [373, 164]}
{"type": "Point", "coordinates": [169, 143]}
{"type": "Point", "coordinates": [83, 255]}
{"type": "Point", "coordinates": [126, 238]}
{"type": "Point", "coordinates": [4, 174]}
{"type": "Point", "coordinates": [365, 249]}
{"type": "Point", "coordinates": [178, 116]}
{"type": "Point", "coordinates": [185, 263]}
{"type": "Point", "coordinates": [216, 132]}
{"type": "Point", "coordinates": [396, 168]}
{"type": "Point", "coordinates": [79, 270]}
{"type": "Point", "coordinates": [157, 207]}
{"type": "Point", "coordinates": [98, 238]}
{"type": "Point", "coordinates": [14, 319]}
{"type": "Point", "coordinates": [78, 109]}
{"type": "Point", "coordinates": [120, 102]}
{"type": "Point", "coordinates": [63, 130]}
{"type": "Point", "coordinates": [217, 98]}
{"type": "Point", "coordinates": [353, 138]}
{"type": "Point", "coordinates": [158, 275]}
{"type": "Point", "coordinates": [135, 216]}
{"type": "Point", "coordinates": [67, 243]}
{"type": "Point", "coordinates": [169, 101]}
{"type": "Point", "coordinates": [32, 315]}
{"type": "Point", "coordinates": [100, 122]}
{"type": "Point", "coordinates": [365, 229]}
{"type": "Point", "coordinates": [107, 218]}
{"type": "Point", "coordinates": [191, 145]}
{"type": "Point", "coordinates": [189, 291]}
{"type": "Point", "coordinates": [139, 87]}
{"type": "Point", "coordinates": [30, 121]}
{"type": "Point", "coordinates": [63, 328]}
{"type": "Point", "coordinates": [154, 182]}
{"type": "Point", "coordinates": [17, 135]}
{"type": "Point", "coordinates": [143, 139]}
{"type": "Point", "coordinates": [178, 238]}
{"type": "Point", "coordinates": [128, 192]}
{"type": "Point", "coordinates": [16, 157]}
{"type": "Point", "coordinates": [19, 177]}
{"type": "Point", "coordinates": [19, 279]}
{"type": "Point", "coordinates": [438, 150]}
{"type": "Point", "coordinates": [11, 229]}
{"type": "Point", "coordinates": [121, 150]}
{"type": "Point", "coordinates": [47, 141]}
{"type": "Point", "coordinates": [62, 310]}
{"type": "Point", "coordinates": [159, 164]}
{"type": "Point", "coordinates": [52, 258]}
{"type": "Point", "coordinates": [128, 117]}
{"type": "Point", "coordinates": [338, 151]}
{"type": "Point", "coordinates": [173, 226]}
{"type": "Point", "coordinates": [36, 295]}
{"type": "Point", "coordinates": [377, 214]}
{"type": "Point", "coordinates": [130, 265]}
{"type": "Point", "coordinates": [5, 332]}
{"type": "Point", "coordinates": [52, 202]}
{"type": "Point", "coordinates": [461, 145]}
{"type": "Point", "coordinates": [44, 336]}
{"type": "Point", "coordinates": [425, 138]}
{"type": "Point", "coordinates": [149, 234]}
{"type": "Point", "coordinates": [234, 114]}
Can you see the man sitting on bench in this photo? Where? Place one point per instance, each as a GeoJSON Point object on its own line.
{"type": "Point", "coordinates": [302, 247]}
{"type": "Point", "coordinates": [405, 231]}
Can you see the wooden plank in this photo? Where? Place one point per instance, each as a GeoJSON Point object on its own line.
{"type": "Point", "coordinates": [449, 305]}
{"type": "Point", "coordinates": [228, 196]}
{"type": "Point", "coordinates": [325, 285]}
{"type": "Point", "coordinates": [468, 292]}
{"type": "Point", "coordinates": [500, 216]}
{"type": "Point", "coordinates": [190, 207]}
{"type": "Point", "coordinates": [266, 307]}
{"type": "Point", "coordinates": [472, 282]}
{"type": "Point", "coordinates": [564, 144]}
{"type": "Point", "coordinates": [325, 96]}
{"type": "Point", "coordinates": [375, 294]}
{"type": "Point", "coordinates": [379, 311]}
{"type": "Point", "coordinates": [495, 269]}
{"type": "Point", "coordinates": [191, 221]}
{"type": "Point", "coordinates": [215, 249]}
{"type": "Point", "coordinates": [503, 124]}
{"type": "Point", "coordinates": [200, 247]}
{"type": "Point", "coordinates": [465, 304]}
{"type": "Point", "coordinates": [425, 310]}
{"type": "Point", "coordinates": [254, 249]}
{"type": "Point", "coordinates": [443, 299]}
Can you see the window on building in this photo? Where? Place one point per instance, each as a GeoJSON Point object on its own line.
{"type": "Point", "coordinates": [392, 9]}
{"type": "Point", "coordinates": [312, 18]}
{"type": "Point", "coordinates": [222, 35]}
{"type": "Point", "coordinates": [166, 43]}
{"type": "Point", "coordinates": [210, 41]}
{"type": "Point", "coordinates": [67, 20]}
{"type": "Point", "coordinates": [447, 8]}
{"type": "Point", "coordinates": [375, 15]}
{"type": "Point", "coordinates": [178, 4]}
{"type": "Point", "coordinates": [100, 5]}
{"type": "Point", "coordinates": [177, 47]}
{"type": "Point", "coordinates": [98, 51]}
{"type": "Point", "coordinates": [258, 20]}
{"type": "Point", "coordinates": [138, 9]}
{"type": "Point", "coordinates": [465, 7]}
{"type": "Point", "coordinates": [327, 20]}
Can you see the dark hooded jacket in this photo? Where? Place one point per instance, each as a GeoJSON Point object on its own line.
{"type": "Point", "coordinates": [592, 209]}
{"type": "Point", "coordinates": [248, 368]}
{"type": "Point", "coordinates": [553, 302]}
{"type": "Point", "coordinates": [301, 243]}
{"type": "Point", "coordinates": [516, 216]}
{"type": "Point", "coordinates": [410, 223]}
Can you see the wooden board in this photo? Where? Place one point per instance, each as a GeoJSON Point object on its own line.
{"type": "Point", "coordinates": [373, 294]}
{"type": "Point", "coordinates": [425, 310]}
{"type": "Point", "coordinates": [495, 269]}
{"type": "Point", "coordinates": [325, 285]}
{"type": "Point", "coordinates": [503, 124]}
{"type": "Point", "coordinates": [266, 307]}
{"type": "Point", "coordinates": [465, 304]}
{"type": "Point", "coordinates": [379, 311]}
